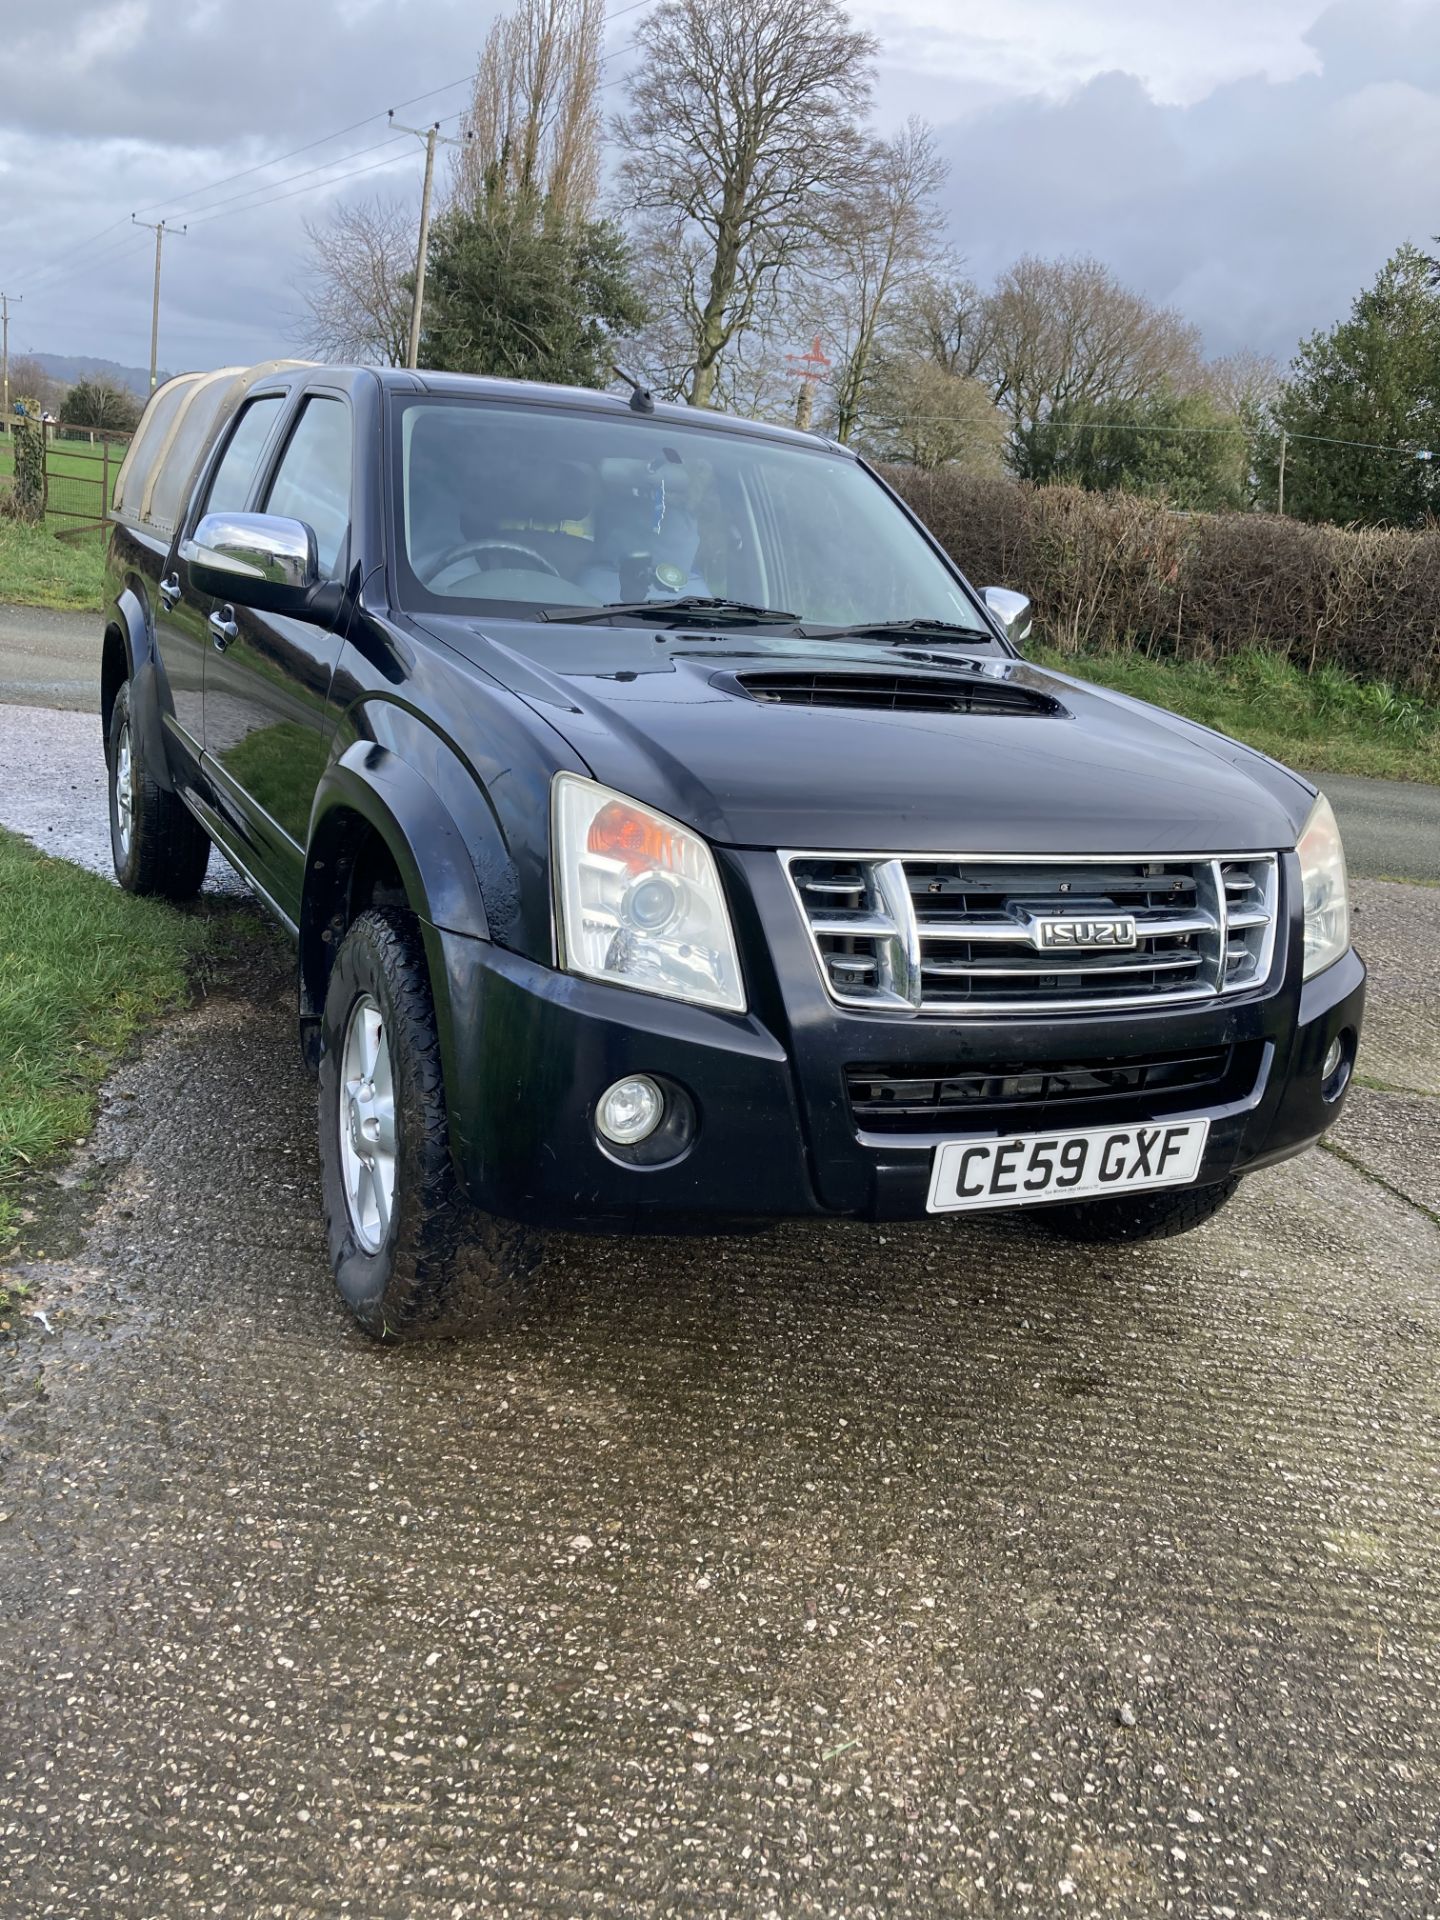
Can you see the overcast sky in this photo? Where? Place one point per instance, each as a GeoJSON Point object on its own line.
{"type": "Point", "coordinates": [1251, 162]}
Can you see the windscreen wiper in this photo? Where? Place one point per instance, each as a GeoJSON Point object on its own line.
{"type": "Point", "coordinates": [900, 630]}
{"type": "Point", "coordinates": [689, 606]}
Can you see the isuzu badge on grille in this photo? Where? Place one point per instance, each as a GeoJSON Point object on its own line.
{"type": "Point", "coordinates": [1091, 930]}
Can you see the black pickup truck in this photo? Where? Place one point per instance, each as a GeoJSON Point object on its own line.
{"type": "Point", "coordinates": [671, 837]}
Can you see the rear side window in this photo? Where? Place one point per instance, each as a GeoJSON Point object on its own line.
{"type": "Point", "coordinates": [233, 478]}
{"type": "Point", "coordinates": [155, 423]}
{"type": "Point", "coordinates": [312, 482]}
{"type": "Point", "coordinates": [182, 456]}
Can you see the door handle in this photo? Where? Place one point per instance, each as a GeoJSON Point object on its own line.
{"type": "Point", "coordinates": [222, 628]}
{"type": "Point", "coordinates": [170, 592]}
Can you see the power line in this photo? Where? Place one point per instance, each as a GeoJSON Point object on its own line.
{"type": "Point", "coordinates": [127, 243]}
{"type": "Point", "coordinates": [247, 193]}
{"type": "Point", "coordinates": [1228, 426]}
{"type": "Point", "coordinates": [279, 159]}
{"type": "Point", "coordinates": [63, 268]}
{"type": "Point", "coordinates": [228, 213]}
{"type": "Point", "coordinates": [45, 273]}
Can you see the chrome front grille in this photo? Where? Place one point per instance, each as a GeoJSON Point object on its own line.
{"type": "Point", "coordinates": [962, 934]}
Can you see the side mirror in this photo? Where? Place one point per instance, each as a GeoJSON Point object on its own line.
{"type": "Point", "coordinates": [257, 559]}
{"type": "Point", "coordinates": [1012, 610]}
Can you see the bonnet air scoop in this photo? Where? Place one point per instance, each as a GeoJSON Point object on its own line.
{"type": "Point", "coordinates": [883, 692]}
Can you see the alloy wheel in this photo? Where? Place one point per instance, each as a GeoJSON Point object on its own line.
{"type": "Point", "coordinates": [367, 1124]}
{"type": "Point", "coordinates": [124, 778]}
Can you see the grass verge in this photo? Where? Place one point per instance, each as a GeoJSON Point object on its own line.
{"type": "Point", "coordinates": [38, 570]}
{"type": "Point", "coordinates": [1326, 722]}
{"type": "Point", "coordinates": [82, 967]}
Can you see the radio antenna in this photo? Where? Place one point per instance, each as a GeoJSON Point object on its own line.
{"type": "Point", "coordinates": [641, 398]}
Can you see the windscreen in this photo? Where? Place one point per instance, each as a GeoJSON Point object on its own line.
{"type": "Point", "coordinates": [515, 509]}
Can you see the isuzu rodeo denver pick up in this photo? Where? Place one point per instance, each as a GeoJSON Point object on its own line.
{"type": "Point", "coordinates": [671, 837]}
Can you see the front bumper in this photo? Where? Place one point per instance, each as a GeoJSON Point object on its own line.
{"type": "Point", "coordinates": [528, 1051]}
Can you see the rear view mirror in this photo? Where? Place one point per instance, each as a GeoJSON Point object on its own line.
{"type": "Point", "coordinates": [1013, 612]}
{"type": "Point", "coordinates": [255, 559]}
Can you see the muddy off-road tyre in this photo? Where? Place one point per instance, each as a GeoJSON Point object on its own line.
{"type": "Point", "coordinates": [1144, 1216]}
{"type": "Point", "coordinates": [411, 1259]}
{"type": "Point", "coordinates": [157, 844]}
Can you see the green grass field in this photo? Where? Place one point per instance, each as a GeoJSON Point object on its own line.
{"type": "Point", "coordinates": [1326, 722]}
{"type": "Point", "coordinates": [74, 460]}
{"type": "Point", "coordinates": [38, 569]}
{"type": "Point", "coordinates": [82, 967]}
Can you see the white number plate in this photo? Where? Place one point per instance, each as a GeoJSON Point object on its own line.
{"type": "Point", "coordinates": [1017, 1170]}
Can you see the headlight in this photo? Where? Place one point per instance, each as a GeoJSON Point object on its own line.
{"type": "Point", "coordinates": [639, 899]}
{"type": "Point", "coordinates": [1322, 883]}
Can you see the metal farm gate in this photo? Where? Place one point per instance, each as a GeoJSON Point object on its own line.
{"type": "Point", "coordinates": [81, 464]}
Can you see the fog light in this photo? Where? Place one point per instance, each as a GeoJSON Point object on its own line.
{"type": "Point", "coordinates": [630, 1111]}
{"type": "Point", "coordinates": [1337, 1066]}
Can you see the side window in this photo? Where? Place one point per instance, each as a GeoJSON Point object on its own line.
{"type": "Point", "coordinates": [155, 423]}
{"type": "Point", "coordinates": [230, 485]}
{"type": "Point", "coordinates": [312, 482]}
{"type": "Point", "coordinates": [192, 432]}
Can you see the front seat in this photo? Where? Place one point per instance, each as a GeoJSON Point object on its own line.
{"type": "Point", "coordinates": [540, 508]}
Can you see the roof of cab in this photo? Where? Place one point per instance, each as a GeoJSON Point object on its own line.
{"type": "Point", "coordinates": [162, 424]}
{"type": "Point", "coordinates": [585, 399]}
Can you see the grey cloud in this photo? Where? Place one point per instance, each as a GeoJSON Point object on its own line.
{"type": "Point", "coordinates": [1258, 211]}
{"type": "Point", "coordinates": [217, 75]}
{"type": "Point", "coordinates": [139, 104]}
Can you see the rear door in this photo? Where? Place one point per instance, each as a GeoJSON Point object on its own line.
{"type": "Point", "coordinates": [179, 643]}
{"type": "Point", "coordinates": [267, 676]}
{"type": "Point", "coordinates": [182, 630]}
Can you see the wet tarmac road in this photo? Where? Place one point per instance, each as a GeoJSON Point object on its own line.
{"type": "Point", "coordinates": [842, 1571]}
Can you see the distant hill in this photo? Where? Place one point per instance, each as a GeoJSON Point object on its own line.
{"type": "Point", "coordinates": [71, 367]}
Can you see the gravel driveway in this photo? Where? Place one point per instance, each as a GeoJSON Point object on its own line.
{"type": "Point", "coordinates": [841, 1571]}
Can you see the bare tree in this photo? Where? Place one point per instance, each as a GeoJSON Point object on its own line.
{"type": "Point", "coordinates": [1064, 336]}
{"type": "Point", "coordinates": [922, 415]}
{"type": "Point", "coordinates": [1244, 383]}
{"type": "Point", "coordinates": [882, 237]}
{"type": "Point", "coordinates": [742, 127]}
{"type": "Point", "coordinates": [356, 287]}
{"type": "Point", "coordinates": [944, 317]}
{"type": "Point", "coordinates": [27, 376]}
{"type": "Point", "coordinates": [533, 129]}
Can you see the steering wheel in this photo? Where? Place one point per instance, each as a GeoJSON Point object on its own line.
{"type": "Point", "coordinates": [534, 562]}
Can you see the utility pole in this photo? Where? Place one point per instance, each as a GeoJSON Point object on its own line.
{"type": "Point", "coordinates": [432, 137]}
{"type": "Point", "coordinates": [810, 368]}
{"type": "Point", "coordinates": [1280, 500]}
{"type": "Point", "coordinates": [159, 229]}
{"type": "Point", "coordinates": [5, 299]}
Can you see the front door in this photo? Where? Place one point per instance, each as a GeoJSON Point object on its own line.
{"type": "Point", "coordinates": [267, 676]}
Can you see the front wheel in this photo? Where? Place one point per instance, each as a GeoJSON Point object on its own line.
{"type": "Point", "coordinates": [410, 1258]}
{"type": "Point", "coordinates": [1143, 1216]}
